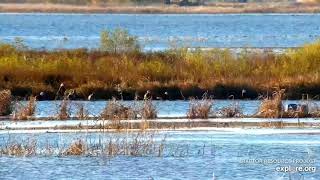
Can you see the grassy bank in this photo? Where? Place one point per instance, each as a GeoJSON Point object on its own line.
{"type": "Point", "coordinates": [214, 8]}
{"type": "Point", "coordinates": [172, 74]}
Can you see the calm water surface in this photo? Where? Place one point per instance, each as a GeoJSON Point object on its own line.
{"type": "Point", "coordinates": [160, 31]}
{"type": "Point", "coordinates": [209, 153]}
{"type": "Point", "coordinates": [164, 108]}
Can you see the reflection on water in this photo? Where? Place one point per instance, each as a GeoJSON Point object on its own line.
{"type": "Point", "coordinates": [189, 155]}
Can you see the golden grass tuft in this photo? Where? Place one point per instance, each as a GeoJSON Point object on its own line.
{"type": "Point", "coordinates": [20, 149]}
{"type": "Point", "coordinates": [77, 148]}
{"type": "Point", "coordinates": [25, 112]}
{"type": "Point", "coordinates": [200, 109]}
{"type": "Point", "coordinates": [272, 107]}
{"type": "Point", "coordinates": [5, 102]}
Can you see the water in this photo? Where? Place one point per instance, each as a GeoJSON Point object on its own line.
{"type": "Point", "coordinates": [209, 153]}
{"type": "Point", "coordinates": [164, 108]}
{"type": "Point", "coordinates": [159, 31]}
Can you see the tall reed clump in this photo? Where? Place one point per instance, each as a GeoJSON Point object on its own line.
{"type": "Point", "coordinates": [272, 107]}
{"type": "Point", "coordinates": [5, 102]}
{"type": "Point", "coordinates": [82, 113]}
{"type": "Point", "coordinates": [231, 111]}
{"type": "Point", "coordinates": [149, 110]}
{"type": "Point", "coordinates": [115, 110]}
{"type": "Point", "coordinates": [77, 148]}
{"type": "Point", "coordinates": [25, 112]}
{"type": "Point", "coordinates": [64, 110]}
{"type": "Point", "coordinates": [200, 109]}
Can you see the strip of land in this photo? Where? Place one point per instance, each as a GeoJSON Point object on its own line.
{"type": "Point", "coordinates": [158, 124]}
{"type": "Point", "coordinates": [217, 8]}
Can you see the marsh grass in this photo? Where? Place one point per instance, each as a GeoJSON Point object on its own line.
{"type": "Point", "coordinates": [188, 71]}
{"type": "Point", "coordinates": [148, 110]}
{"type": "Point", "coordinates": [200, 109]}
{"type": "Point", "coordinates": [231, 111]}
{"type": "Point", "coordinates": [115, 110]}
{"type": "Point", "coordinates": [77, 148]}
{"type": "Point", "coordinates": [82, 112]}
{"type": "Point", "coordinates": [132, 144]}
{"type": "Point", "coordinates": [28, 148]}
{"type": "Point", "coordinates": [64, 110]}
{"type": "Point", "coordinates": [272, 107]}
{"type": "Point", "coordinates": [25, 112]}
{"type": "Point", "coordinates": [5, 102]}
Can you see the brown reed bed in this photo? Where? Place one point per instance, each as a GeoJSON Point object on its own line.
{"type": "Point", "coordinates": [25, 112]}
{"type": "Point", "coordinates": [272, 107]}
{"type": "Point", "coordinates": [64, 110]}
{"type": "Point", "coordinates": [232, 111]}
{"type": "Point", "coordinates": [115, 110]}
{"type": "Point", "coordinates": [176, 71]}
{"type": "Point", "coordinates": [133, 144]}
{"type": "Point", "coordinates": [148, 110]}
{"type": "Point", "coordinates": [200, 109]}
{"type": "Point", "coordinates": [5, 102]}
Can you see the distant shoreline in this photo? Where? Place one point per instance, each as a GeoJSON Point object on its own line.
{"type": "Point", "coordinates": [219, 8]}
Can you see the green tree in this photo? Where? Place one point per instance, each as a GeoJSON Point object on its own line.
{"type": "Point", "coordinates": [118, 41]}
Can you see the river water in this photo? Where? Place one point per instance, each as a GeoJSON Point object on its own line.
{"type": "Point", "coordinates": [159, 31]}
{"type": "Point", "coordinates": [187, 155]}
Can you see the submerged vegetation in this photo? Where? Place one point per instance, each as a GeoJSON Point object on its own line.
{"type": "Point", "coordinates": [133, 144]}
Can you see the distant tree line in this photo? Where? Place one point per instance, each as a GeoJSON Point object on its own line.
{"type": "Point", "coordinates": [141, 2]}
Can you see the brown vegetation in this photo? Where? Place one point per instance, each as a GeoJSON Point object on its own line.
{"type": "Point", "coordinates": [5, 102]}
{"type": "Point", "coordinates": [212, 9]}
{"type": "Point", "coordinates": [25, 112]}
{"type": "Point", "coordinates": [175, 73]}
{"type": "Point", "coordinates": [148, 111]}
{"type": "Point", "coordinates": [200, 109]}
{"type": "Point", "coordinates": [272, 107]}
{"type": "Point", "coordinates": [64, 110]}
{"type": "Point", "coordinates": [134, 144]}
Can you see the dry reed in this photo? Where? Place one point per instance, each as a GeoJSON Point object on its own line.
{"type": "Point", "coordinates": [82, 113]}
{"type": "Point", "coordinates": [272, 108]}
{"type": "Point", "coordinates": [148, 111]}
{"type": "Point", "coordinates": [133, 144]}
{"type": "Point", "coordinates": [116, 110]}
{"type": "Point", "coordinates": [200, 109]}
{"type": "Point", "coordinates": [64, 110]}
{"type": "Point", "coordinates": [25, 112]}
{"type": "Point", "coordinates": [5, 103]}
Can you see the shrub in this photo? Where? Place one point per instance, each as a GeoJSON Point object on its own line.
{"type": "Point", "coordinates": [118, 41]}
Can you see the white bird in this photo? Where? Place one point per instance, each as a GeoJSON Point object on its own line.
{"type": "Point", "coordinates": [90, 97]}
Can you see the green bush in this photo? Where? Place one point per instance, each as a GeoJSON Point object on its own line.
{"type": "Point", "coordinates": [118, 41]}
